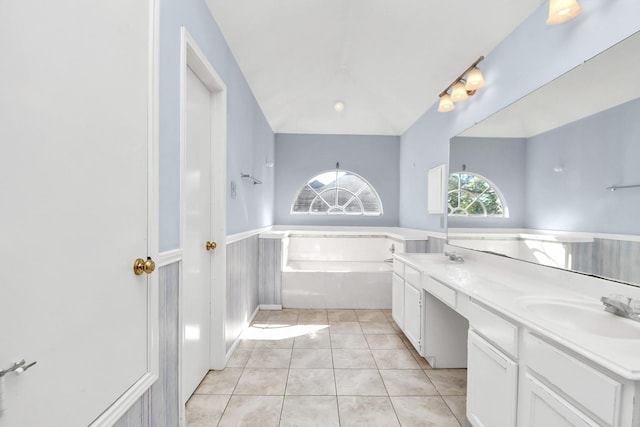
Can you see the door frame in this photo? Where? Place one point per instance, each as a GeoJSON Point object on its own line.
{"type": "Point", "coordinates": [191, 56]}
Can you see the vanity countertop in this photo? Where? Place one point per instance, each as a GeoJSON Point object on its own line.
{"type": "Point", "coordinates": [615, 344]}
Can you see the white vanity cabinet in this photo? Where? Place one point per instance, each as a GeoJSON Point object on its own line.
{"type": "Point", "coordinates": [397, 299]}
{"type": "Point", "coordinates": [492, 369]}
{"type": "Point", "coordinates": [560, 390]}
{"type": "Point", "coordinates": [406, 304]}
{"type": "Point", "coordinates": [413, 314]}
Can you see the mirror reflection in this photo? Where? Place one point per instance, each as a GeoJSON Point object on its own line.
{"type": "Point", "coordinates": [555, 177]}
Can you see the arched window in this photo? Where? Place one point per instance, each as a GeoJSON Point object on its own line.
{"type": "Point", "coordinates": [474, 195]}
{"type": "Point", "coordinates": [337, 192]}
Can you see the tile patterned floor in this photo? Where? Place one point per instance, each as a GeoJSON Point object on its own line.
{"type": "Point", "coordinates": [328, 368]}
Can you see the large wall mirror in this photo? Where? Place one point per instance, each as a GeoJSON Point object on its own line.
{"type": "Point", "coordinates": [555, 177]}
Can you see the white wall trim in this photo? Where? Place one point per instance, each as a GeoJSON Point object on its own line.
{"type": "Point", "coordinates": [232, 238]}
{"type": "Point", "coordinates": [169, 257]}
{"type": "Point", "coordinates": [270, 307]}
{"type": "Point", "coordinates": [125, 402]}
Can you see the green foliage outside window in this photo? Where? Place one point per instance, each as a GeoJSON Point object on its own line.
{"type": "Point", "coordinates": [472, 195]}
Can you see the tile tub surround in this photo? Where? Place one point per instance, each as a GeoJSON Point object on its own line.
{"type": "Point", "coordinates": [328, 368]}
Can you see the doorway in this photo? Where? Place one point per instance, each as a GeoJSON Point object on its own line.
{"type": "Point", "coordinates": [203, 218]}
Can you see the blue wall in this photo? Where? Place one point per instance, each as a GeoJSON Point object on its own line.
{"type": "Point", "coordinates": [250, 140]}
{"type": "Point", "coordinates": [597, 152]}
{"type": "Point", "coordinates": [531, 56]}
{"type": "Point", "coordinates": [503, 162]}
{"type": "Point", "coordinates": [300, 157]}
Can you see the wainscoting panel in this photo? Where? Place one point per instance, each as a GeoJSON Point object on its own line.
{"type": "Point", "coordinates": [164, 393]}
{"type": "Point", "coordinates": [270, 274]}
{"type": "Point", "coordinates": [433, 245]}
{"type": "Point", "coordinates": [137, 415]}
{"type": "Point", "coordinates": [242, 286]}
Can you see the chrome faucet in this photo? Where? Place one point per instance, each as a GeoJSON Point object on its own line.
{"type": "Point", "coordinates": [454, 256]}
{"type": "Point", "coordinates": [622, 306]}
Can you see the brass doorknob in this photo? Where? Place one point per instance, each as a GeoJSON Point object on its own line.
{"type": "Point", "coordinates": [211, 246]}
{"type": "Point", "coordinates": [143, 266]}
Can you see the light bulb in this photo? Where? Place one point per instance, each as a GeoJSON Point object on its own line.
{"type": "Point", "coordinates": [338, 106]}
{"type": "Point", "coordinates": [458, 92]}
{"type": "Point", "coordinates": [475, 80]}
{"type": "Point", "coordinates": [446, 104]}
{"type": "Point", "coordinates": [562, 11]}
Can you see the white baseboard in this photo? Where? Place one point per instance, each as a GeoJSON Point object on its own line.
{"type": "Point", "coordinates": [270, 307]}
{"type": "Point", "coordinates": [237, 341]}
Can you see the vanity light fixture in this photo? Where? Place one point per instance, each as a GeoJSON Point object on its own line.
{"type": "Point", "coordinates": [461, 88]}
{"type": "Point", "coordinates": [562, 11]}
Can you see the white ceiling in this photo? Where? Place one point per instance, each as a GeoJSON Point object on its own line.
{"type": "Point", "coordinates": [603, 82]}
{"type": "Point", "coordinates": [387, 60]}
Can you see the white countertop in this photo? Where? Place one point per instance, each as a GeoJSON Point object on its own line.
{"type": "Point", "coordinates": [505, 286]}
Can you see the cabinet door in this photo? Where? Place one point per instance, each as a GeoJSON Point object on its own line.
{"type": "Point", "coordinates": [491, 385]}
{"type": "Point", "coordinates": [541, 407]}
{"type": "Point", "coordinates": [397, 300]}
{"type": "Point", "coordinates": [413, 315]}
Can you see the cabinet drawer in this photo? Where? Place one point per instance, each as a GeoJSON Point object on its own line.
{"type": "Point", "coordinates": [441, 291]}
{"type": "Point", "coordinates": [398, 268]}
{"type": "Point", "coordinates": [412, 276]}
{"type": "Point", "coordinates": [592, 389]}
{"type": "Point", "coordinates": [495, 328]}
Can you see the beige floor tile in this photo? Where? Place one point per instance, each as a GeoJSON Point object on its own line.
{"type": "Point", "coordinates": [359, 382]}
{"type": "Point", "coordinates": [370, 328]}
{"type": "Point", "coordinates": [261, 315]}
{"type": "Point", "coordinates": [345, 328]}
{"type": "Point", "coordinates": [352, 341]}
{"type": "Point", "coordinates": [342, 316]}
{"type": "Point", "coordinates": [311, 358]}
{"type": "Point", "coordinates": [239, 358]}
{"type": "Point", "coordinates": [371, 316]}
{"type": "Point", "coordinates": [246, 343]}
{"type": "Point", "coordinates": [366, 411]}
{"type": "Point", "coordinates": [313, 340]}
{"type": "Point", "coordinates": [423, 412]}
{"type": "Point", "coordinates": [269, 358]}
{"type": "Point", "coordinates": [449, 382]}
{"type": "Point", "coordinates": [205, 410]}
{"type": "Point", "coordinates": [353, 359]}
{"type": "Point", "coordinates": [307, 316]}
{"type": "Point", "coordinates": [275, 343]}
{"type": "Point", "coordinates": [385, 342]}
{"type": "Point", "coordinates": [407, 382]}
{"type": "Point", "coordinates": [262, 382]}
{"type": "Point", "coordinates": [458, 405]}
{"type": "Point", "coordinates": [219, 382]}
{"type": "Point", "coordinates": [311, 382]}
{"type": "Point", "coordinates": [252, 411]}
{"type": "Point", "coordinates": [310, 411]}
{"type": "Point", "coordinates": [394, 359]}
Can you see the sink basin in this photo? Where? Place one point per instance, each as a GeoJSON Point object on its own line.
{"type": "Point", "coordinates": [583, 316]}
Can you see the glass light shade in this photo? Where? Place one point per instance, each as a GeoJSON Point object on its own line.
{"type": "Point", "coordinates": [562, 11]}
{"type": "Point", "coordinates": [458, 92]}
{"type": "Point", "coordinates": [446, 104]}
{"type": "Point", "coordinates": [474, 79]}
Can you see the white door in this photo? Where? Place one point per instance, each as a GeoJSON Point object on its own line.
{"type": "Point", "coordinates": [196, 276]}
{"type": "Point", "coordinates": [74, 116]}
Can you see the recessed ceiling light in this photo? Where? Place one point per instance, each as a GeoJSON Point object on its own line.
{"type": "Point", "coordinates": [338, 106]}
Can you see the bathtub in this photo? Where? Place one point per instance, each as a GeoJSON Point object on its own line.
{"type": "Point", "coordinates": [337, 271]}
